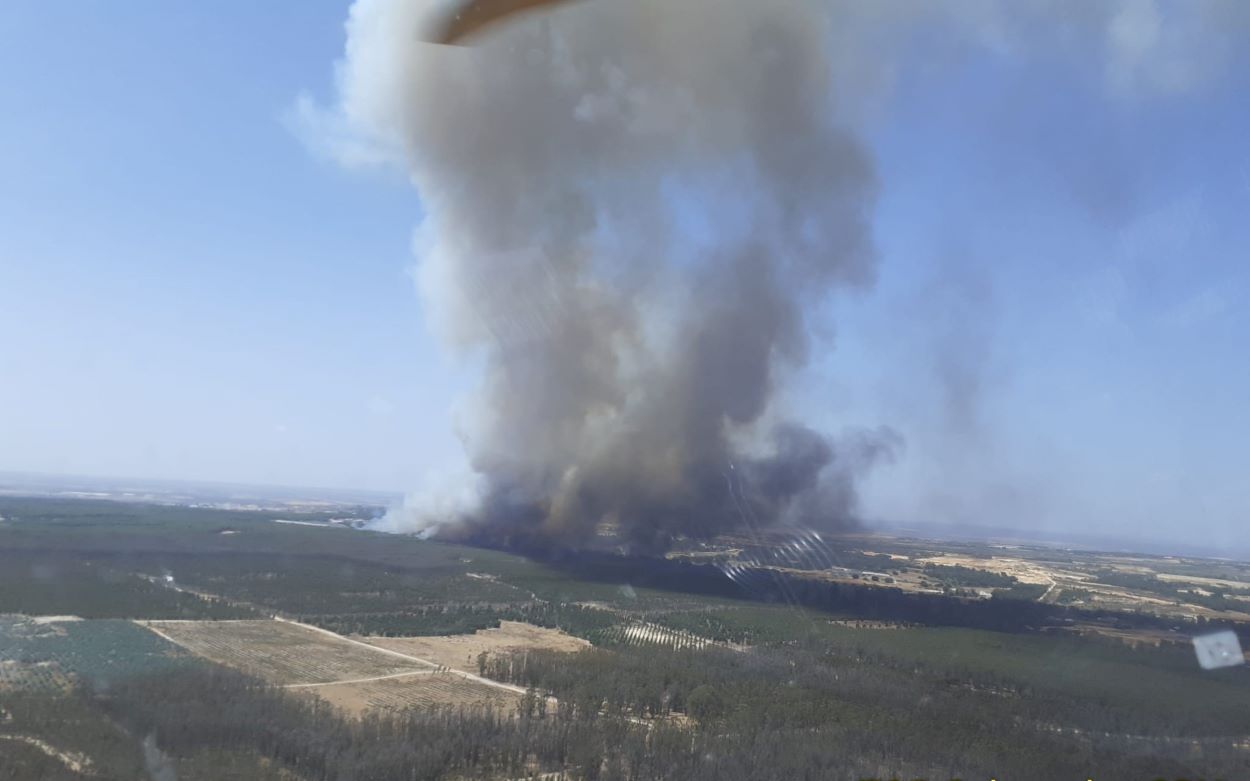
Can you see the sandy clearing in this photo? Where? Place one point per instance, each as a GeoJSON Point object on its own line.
{"type": "Point", "coordinates": [360, 680]}
{"type": "Point", "coordinates": [347, 672]}
{"type": "Point", "coordinates": [322, 524]}
{"type": "Point", "coordinates": [1021, 569]}
{"type": "Point", "coordinates": [78, 763]}
{"type": "Point", "coordinates": [467, 675]}
{"type": "Point", "coordinates": [1197, 581]}
{"type": "Point", "coordinates": [894, 556]}
{"type": "Point", "coordinates": [460, 652]}
{"type": "Point", "coordinates": [283, 652]}
{"type": "Point", "coordinates": [431, 688]}
{"type": "Point", "coordinates": [1132, 637]}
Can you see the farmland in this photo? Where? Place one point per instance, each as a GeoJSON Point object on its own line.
{"type": "Point", "coordinates": [48, 654]}
{"type": "Point", "coordinates": [461, 652]}
{"type": "Point", "coordinates": [645, 633]}
{"type": "Point", "coordinates": [282, 652]}
{"type": "Point", "coordinates": [415, 690]}
{"type": "Point", "coordinates": [352, 675]}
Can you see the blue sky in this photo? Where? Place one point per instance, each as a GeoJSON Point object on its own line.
{"type": "Point", "coordinates": [186, 291]}
{"type": "Point", "coordinates": [1100, 240]}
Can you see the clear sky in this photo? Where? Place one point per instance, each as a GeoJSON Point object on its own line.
{"type": "Point", "coordinates": [185, 291]}
{"type": "Point", "coordinates": [1059, 330]}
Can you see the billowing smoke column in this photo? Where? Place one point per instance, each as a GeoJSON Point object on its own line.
{"type": "Point", "coordinates": [635, 213]}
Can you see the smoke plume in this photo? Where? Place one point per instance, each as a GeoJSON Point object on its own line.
{"type": "Point", "coordinates": [635, 217]}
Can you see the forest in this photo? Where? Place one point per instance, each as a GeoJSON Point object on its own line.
{"type": "Point", "coordinates": [792, 686]}
{"type": "Point", "coordinates": [389, 584]}
{"type": "Point", "coordinates": [789, 713]}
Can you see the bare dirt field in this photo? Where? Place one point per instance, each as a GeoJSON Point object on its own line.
{"type": "Point", "coordinates": [460, 652]}
{"type": "Point", "coordinates": [1131, 637]}
{"type": "Point", "coordinates": [358, 677]}
{"type": "Point", "coordinates": [427, 688]}
{"type": "Point", "coordinates": [1022, 569]}
{"type": "Point", "coordinates": [283, 652]}
{"type": "Point", "coordinates": [1197, 581]}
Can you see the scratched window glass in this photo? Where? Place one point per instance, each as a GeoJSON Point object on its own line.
{"type": "Point", "coordinates": [625, 390]}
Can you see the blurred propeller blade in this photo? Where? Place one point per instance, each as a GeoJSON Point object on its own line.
{"type": "Point", "coordinates": [469, 17]}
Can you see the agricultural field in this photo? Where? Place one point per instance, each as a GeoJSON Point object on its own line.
{"type": "Point", "coordinates": [460, 652]}
{"type": "Point", "coordinates": [354, 676]}
{"type": "Point", "coordinates": [47, 654]}
{"type": "Point", "coordinates": [283, 652]}
{"type": "Point", "coordinates": [1206, 582]}
{"type": "Point", "coordinates": [415, 690]}
{"type": "Point", "coordinates": [751, 625]}
{"type": "Point", "coordinates": [646, 633]}
{"type": "Point", "coordinates": [44, 675]}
